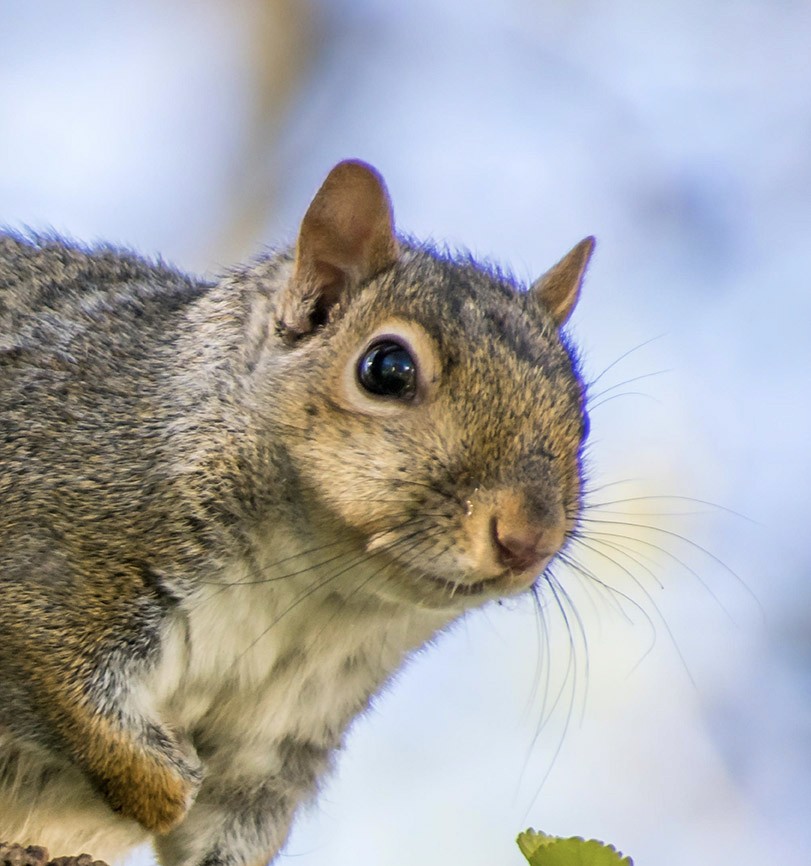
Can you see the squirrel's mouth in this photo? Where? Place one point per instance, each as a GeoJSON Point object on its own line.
{"type": "Point", "coordinates": [507, 582]}
{"type": "Point", "coordinates": [457, 588]}
{"type": "Point", "coordinates": [465, 585]}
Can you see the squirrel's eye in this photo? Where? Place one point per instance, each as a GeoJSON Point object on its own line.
{"type": "Point", "coordinates": [388, 369]}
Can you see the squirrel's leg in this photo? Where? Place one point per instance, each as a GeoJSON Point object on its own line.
{"type": "Point", "coordinates": [68, 676]}
{"type": "Point", "coordinates": [229, 827]}
{"type": "Point", "coordinates": [240, 818]}
{"type": "Point", "coordinates": [143, 770]}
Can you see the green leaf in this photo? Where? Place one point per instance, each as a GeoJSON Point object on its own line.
{"type": "Point", "coordinates": [543, 850]}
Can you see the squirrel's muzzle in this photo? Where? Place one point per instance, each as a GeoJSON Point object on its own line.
{"type": "Point", "coordinates": [508, 532]}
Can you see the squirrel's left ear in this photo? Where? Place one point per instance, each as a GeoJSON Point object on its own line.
{"type": "Point", "coordinates": [346, 236]}
{"type": "Point", "coordinates": [559, 288]}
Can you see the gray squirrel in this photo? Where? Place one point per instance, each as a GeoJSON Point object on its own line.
{"type": "Point", "coordinates": [230, 511]}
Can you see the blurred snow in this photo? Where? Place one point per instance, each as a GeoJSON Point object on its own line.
{"type": "Point", "coordinates": [679, 133]}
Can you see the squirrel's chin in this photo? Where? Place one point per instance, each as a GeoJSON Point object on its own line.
{"type": "Point", "coordinates": [442, 593]}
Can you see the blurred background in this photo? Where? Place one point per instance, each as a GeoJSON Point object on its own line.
{"type": "Point", "coordinates": [672, 715]}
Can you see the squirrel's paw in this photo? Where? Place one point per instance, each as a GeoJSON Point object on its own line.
{"type": "Point", "coordinates": [153, 782]}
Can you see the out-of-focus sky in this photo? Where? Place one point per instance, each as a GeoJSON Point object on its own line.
{"type": "Point", "coordinates": [679, 133]}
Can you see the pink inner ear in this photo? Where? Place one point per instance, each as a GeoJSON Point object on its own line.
{"type": "Point", "coordinates": [346, 236]}
{"type": "Point", "coordinates": [349, 224]}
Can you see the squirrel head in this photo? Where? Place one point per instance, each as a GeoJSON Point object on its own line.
{"type": "Point", "coordinates": [436, 416]}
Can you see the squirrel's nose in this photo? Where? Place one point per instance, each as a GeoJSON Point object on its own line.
{"type": "Point", "coordinates": [522, 546]}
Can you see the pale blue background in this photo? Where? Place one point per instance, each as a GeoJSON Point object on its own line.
{"type": "Point", "coordinates": [679, 133]}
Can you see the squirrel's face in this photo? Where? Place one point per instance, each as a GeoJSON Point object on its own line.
{"type": "Point", "coordinates": [442, 421]}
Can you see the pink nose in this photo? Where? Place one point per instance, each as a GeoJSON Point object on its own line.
{"type": "Point", "coordinates": [520, 548]}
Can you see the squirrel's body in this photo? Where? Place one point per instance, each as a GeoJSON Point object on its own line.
{"type": "Point", "coordinates": [231, 510]}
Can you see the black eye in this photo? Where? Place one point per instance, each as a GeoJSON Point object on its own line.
{"type": "Point", "coordinates": [388, 369]}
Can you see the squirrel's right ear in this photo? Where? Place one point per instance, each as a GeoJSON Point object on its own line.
{"type": "Point", "coordinates": [346, 236]}
{"type": "Point", "coordinates": [559, 288]}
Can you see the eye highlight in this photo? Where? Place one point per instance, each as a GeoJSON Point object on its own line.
{"type": "Point", "coordinates": [387, 369]}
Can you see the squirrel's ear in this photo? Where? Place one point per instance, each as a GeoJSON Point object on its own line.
{"type": "Point", "coordinates": [346, 236]}
{"type": "Point", "coordinates": [559, 288]}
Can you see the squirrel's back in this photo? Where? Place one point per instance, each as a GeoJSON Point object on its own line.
{"type": "Point", "coordinates": [52, 292]}
{"type": "Point", "coordinates": [84, 337]}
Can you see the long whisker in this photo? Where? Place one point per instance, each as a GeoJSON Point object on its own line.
{"type": "Point", "coordinates": [596, 533]}
{"type": "Point", "coordinates": [591, 579]}
{"type": "Point", "coordinates": [423, 539]}
{"type": "Point", "coordinates": [616, 595]}
{"type": "Point", "coordinates": [562, 600]}
{"type": "Point", "coordinates": [660, 616]}
{"type": "Point", "coordinates": [356, 560]}
{"type": "Point", "coordinates": [620, 395]}
{"type": "Point", "coordinates": [714, 506]}
{"type": "Point", "coordinates": [601, 394]}
{"type": "Point", "coordinates": [602, 538]}
{"type": "Point", "coordinates": [623, 356]}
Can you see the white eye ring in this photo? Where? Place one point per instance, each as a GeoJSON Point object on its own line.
{"type": "Point", "coordinates": [378, 385]}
